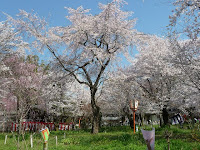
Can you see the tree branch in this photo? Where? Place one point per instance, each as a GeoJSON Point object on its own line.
{"type": "Point", "coordinates": [62, 65]}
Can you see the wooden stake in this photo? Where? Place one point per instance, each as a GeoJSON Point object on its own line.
{"type": "Point", "coordinates": [79, 123]}
{"type": "Point", "coordinates": [31, 138]}
{"type": "Point", "coordinates": [133, 121]}
{"type": "Point", "coordinates": [18, 141]}
{"type": "Point", "coordinates": [5, 139]}
{"type": "Point", "coordinates": [56, 141]}
{"type": "Point", "coordinates": [64, 135]}
{"type": "Point", "coordinates": [45, 146]}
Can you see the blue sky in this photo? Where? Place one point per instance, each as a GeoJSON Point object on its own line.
{"type": "Point", "coordinates": [152, 15]}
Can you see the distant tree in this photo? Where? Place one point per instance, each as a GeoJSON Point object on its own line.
{"type": "Point", "coordinates": [186, 60]}
{"type": "Point", "coordinates": [185, 23]}
{"type": "Point", "coordinates": [167, 72]}
{"type": "Point", "coordinates": [10, 40]}
{"type": "Point", "coordinates": [24, 83]}
{"type": "Point", "coordinates": [63, 94]}
{"type": "Point", "coordinates": [10, 43]}
{"type": "Point", "coordinates": [186, 18]}
{"type": "Point", "coordinates": [116, 100]}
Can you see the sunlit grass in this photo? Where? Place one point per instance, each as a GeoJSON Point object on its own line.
{"type": "Point", "coordinates": [112, 138]}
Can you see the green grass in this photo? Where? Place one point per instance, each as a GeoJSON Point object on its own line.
{"type": "Point", "coordinates": [113, 138]}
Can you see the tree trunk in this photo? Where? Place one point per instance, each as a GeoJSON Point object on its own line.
{"type": "Point", "coordinates": [96, 114]}
{"type": "Point", "coordinates": [142, 118]}
{"type": "Point", "coordinates": [96, 122]}
{"type": "Point", "coordinates": [18, 117]}
{"type": "Point", "coordinates": [161, 120]}
{"type": "Point", "coordinates": [128, 115]}
{"type": "Point", "coordinates": [165, 116]}
{"type": "Point", "coordinates": [130, 118]}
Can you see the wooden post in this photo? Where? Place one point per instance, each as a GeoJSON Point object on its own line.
{"type": "Point", "coordinates": [168, 141]}
{"type": "Point", "coordinates": [31, 138]}
{"type": "Point", "coordinates": [5, 139]}
{"type": "Point", "coordinates": [133, 107]}
{"type": "Point", "coordinates": [79, 123]}
{"type": "Point", "coordinates": [167, 136]}
{"type": "Point", "coordinates": [18, 141]}
{"type": "Point", "coordinates": [56, 141]}
{"type": "Point", "coordinates": [45, 146]}
{"type": "Point", "coordinates": [64, 135]}
{"type": "Point", "coordinates": [134, 121]}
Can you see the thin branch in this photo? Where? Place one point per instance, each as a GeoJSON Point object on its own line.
{"type": "Point", "coordinates": [62, 65]}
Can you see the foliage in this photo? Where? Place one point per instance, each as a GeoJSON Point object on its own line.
{"type": "Point", "coordinates": [23, 86]}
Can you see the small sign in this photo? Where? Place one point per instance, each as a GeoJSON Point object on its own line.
{"type": "Point", "coordinates": [45, 134]}
{"type": "Point", "coordinates": [136, 104]}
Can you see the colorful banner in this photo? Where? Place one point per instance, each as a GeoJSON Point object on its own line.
{"type": "Point", "coordinates": [45, 134]}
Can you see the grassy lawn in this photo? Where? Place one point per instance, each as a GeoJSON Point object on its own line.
{"type": "Point", "coordinates": [113, 138]}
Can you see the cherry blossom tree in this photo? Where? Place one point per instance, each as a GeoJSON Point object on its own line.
{"type": "Point", "coordinates": [186, 17]}
{"type": "Point", "coordinates": [10, 41]}
{"type": "Point", "coordinates": [156, 75]}
{"type": "Point", "coordinates": [185, 21]}
{"type": "Point", "coordinates": [167, 72]}
{"type": "Point", "coordinates": [116, 100]}
{"type": "Point", "coordinates": [23, 87]}
{"type": "Point", "coordinates": [186, 59]}
{"type": "Point", "coordinates": [131, 85]}
{"type": "Point", "coordinates": [64, 95]}
{"type": "Point", "coordinates": [93, 43]}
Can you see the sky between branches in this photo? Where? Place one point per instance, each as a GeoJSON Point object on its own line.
{"type": "Point", "coordinates": [152, 15]}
